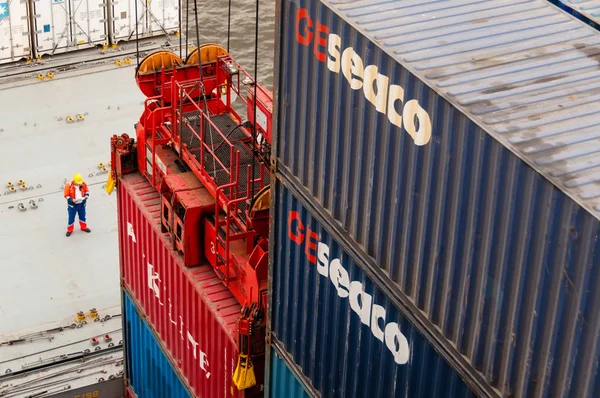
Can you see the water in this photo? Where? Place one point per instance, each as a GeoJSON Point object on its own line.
{"type": "Point", "coordinates": [212, 24]}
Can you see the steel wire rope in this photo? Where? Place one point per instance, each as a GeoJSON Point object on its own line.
{"type": "Point", "coordinates": [46, 380]}
{"type": "Point", "coordinates": [56, 348]}
{"type": "Point", "coordinates": [228, 25]}
{"type": "Point", "coordinates": [187, 27]}
{"type": "Point", "coordinates": [255, 131]}
{"type": "Point", "coordinates": [180, 49]}
{"type": "Point", "coordinates": [137, 41]}
{"type": "Point", "coordinates": [204, 94]}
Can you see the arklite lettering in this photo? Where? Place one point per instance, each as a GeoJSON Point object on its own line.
{"type": "Point", "coordinates": [361, 302]}
{"type": "Point", "coordinates": [387, 98]}
{"type": "Point", "coordinates": [153, 278]}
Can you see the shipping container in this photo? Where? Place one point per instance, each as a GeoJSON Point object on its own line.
{"type": "Point", "coordinates": [67, 25]}
{"type": "Point", "coordinates": [192, 311]}
{"type": "Point", "coordinates": [283, 382]}
{"type": "Point", "coordinates": [453, 148]}
{"type": "Point", "coordinates": [337, 325]}
{"type": "Point", "coordinates": [14, 31]}
{"type": "Point", "coordinates": [586, 10]}
{"type": "Point", "coordinates": [149, 371]}
{"type": "Point", "coordinates": [155, 18]}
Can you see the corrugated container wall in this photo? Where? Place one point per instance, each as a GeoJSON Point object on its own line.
{"type": "Point", "coordinates": [282, 381]}
{"type": "Point", "coordinates": [14, 31]}
{"type": "Point", "coordinates": [193, 313]}
{"type": "Point", "coordinates": [343, 332]}
{"type": "Point", "coordinates": [473, 205]}
{"type": "Point", "coordinates": [67, 25]}
{"type": "Point", "coordinates": [155, 18]}
{"type": "Point", "coordinates": [149, 372]}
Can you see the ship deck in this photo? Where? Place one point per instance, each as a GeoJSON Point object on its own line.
{"type": "Point", "coordinates": [45, 277]}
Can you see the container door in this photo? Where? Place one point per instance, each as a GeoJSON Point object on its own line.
{"type": "Point", "coordinates": [52, 27]}
{"type": "Point", "coordinates": [14, 31]}
{"type": "Point", "coordinates": [163, 17]}
{"type": "Point", "coordinates": [88, 23]}
{"type": "Point", "coordinates": [123, 19]}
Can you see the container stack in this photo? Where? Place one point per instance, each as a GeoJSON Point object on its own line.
{"type": "Point", "coordinates": [180, 322]}
{"type": "Point", "coordinates": [193, 213]}
{"type": "Point", "coordinates": [31, 29]}
{"type": "Point", "coordinates": [436, 206]}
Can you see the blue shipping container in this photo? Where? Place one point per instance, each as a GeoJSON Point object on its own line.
{"type": "Point", "coordinates": [453, 147]}
{"type": "Point", "coordinates": [347, 337]}
{"type": "Point", "coordinates": [283, 383]}
{"type": "Point", "coordinates": [148, 369]}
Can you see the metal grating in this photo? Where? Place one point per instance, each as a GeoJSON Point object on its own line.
{"type": "Point", "coordinates": [240, 141]}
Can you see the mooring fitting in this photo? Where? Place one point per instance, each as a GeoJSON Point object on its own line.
{"type": "Point", "coordinates": [80, 316]}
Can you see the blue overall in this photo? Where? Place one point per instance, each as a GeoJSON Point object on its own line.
{"type": "Point", "coordinates": [76, 209]}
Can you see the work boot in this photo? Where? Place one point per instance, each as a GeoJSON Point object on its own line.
{"type": "Point", "coordinates": [69, 234]}
{"type": "Point", "coordinates": [87, 230]}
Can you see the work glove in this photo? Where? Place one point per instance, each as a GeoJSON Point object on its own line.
{"type": "Point", "coordinates": [84, 202]}
{"type": "Point", "coordinates": [70, 202]}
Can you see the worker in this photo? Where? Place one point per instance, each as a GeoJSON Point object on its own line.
{"type": "Point", "coordinates": [77, 194]}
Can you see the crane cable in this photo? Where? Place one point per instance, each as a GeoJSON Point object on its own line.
{"type": "Point", "coordinates": [228, 25]}
{"type": "Point", "coordinates": [137, 41]}
{"type": "Point", "coordinates": [187, 26]}
{"type": "Point", "coordinates": [180, 48]}
{"type": "Point", "coordinates": [255, 131]}
{"type": "Point", "coordinates": [203, 90]}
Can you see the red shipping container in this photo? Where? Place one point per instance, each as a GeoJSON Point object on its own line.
{"type": "Point", "coordinates": [194, 314]}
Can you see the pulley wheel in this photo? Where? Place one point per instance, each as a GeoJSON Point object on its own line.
{"type": "Point", "coordinates": [208, 52]}
{"type": "Point", "coordinates": [152, 64]}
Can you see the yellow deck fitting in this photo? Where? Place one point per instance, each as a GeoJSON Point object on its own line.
{"type": "Point", "coordinates": [114, 45]}
{"type": "Point", "coordinates": [79, 117]}
{"type": "Point", "coordinates": [80, 316]}
{"type": "Point", "coordinates": [50, 75]}
{"type": "Point", "coordinates": [20, 182]}
{"type": "Point", "coordinates": [118, 62]}
{"type": "Point", "coordinates": [23, 187]}
{"type": "Point", "coordinates": [9, 184]}
{"type": "Point", "coordinates": [40, 76]}
{"type": "Point", "coordinates": [104, 169]}
{"type": "Point", "coordinates": [127, 61]}
{"type": "Point", "coordinates": [100, 165]}
{"type": "Point", "coordinates": [69, 119]}
{"type": "Point", "coordinates": [12, 189]}
{"type": "Point", "coordinates": [93, 313]}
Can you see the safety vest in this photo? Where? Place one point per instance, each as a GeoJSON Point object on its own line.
{"type": "Point", "coordinates": [70, 190]}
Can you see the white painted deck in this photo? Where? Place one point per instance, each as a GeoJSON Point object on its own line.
{"type": "Point", "coordinates": [45, 276]}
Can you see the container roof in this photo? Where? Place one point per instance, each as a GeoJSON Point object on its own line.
{"type": "Point", "coordinates": [525, 71]}
{"type": "Point", "coordinates": [589, 9]}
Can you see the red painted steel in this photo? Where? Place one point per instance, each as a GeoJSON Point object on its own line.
{"type": "Point", "coordinates": [233, 168]}
{"type": "Point", "coordinates": [129, 393]}
{"type": "Point", "coordinates": [194, 314]}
